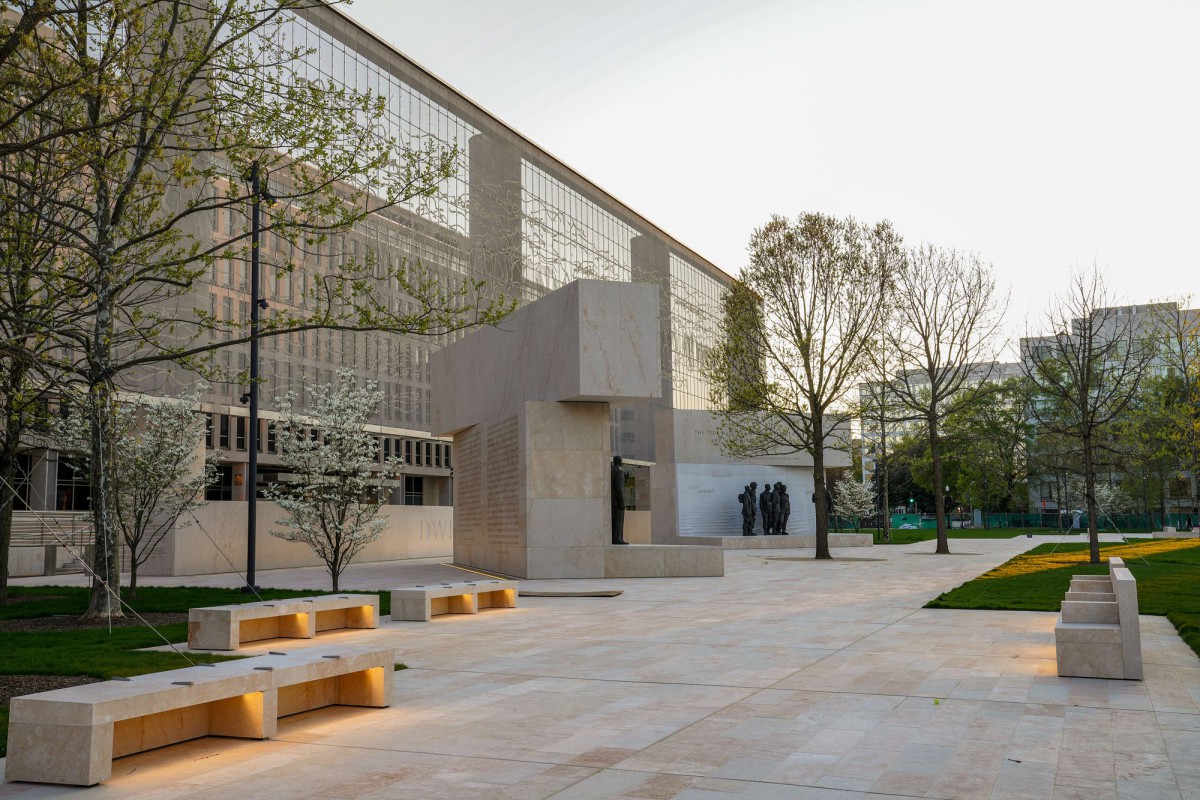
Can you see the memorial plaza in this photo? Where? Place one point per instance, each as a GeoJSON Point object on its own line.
{"type": "Point", "coordinates": [786, 678]}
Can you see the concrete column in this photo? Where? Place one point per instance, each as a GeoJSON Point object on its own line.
{"type": "Point", "coordinates": [43, 479]}
{"type": "Point", "coordinates": [495, 213]}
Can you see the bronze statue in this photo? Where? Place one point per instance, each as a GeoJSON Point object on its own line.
{"type": "Point", "coordinates": [746, 498]}
{"type": "Point", "coordinates": [785, 508]}
{"type": "Point", "coordinates": [618, 502]}
{"type": "Point", "coordinates": [768, 505]}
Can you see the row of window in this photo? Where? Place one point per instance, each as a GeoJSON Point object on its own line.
{"type": "Point", "coordinates": [228, 432]}
{"type": "Point", "coordinates": [415, 452]}
{"type": "Point", "coordinates": [412, 493]}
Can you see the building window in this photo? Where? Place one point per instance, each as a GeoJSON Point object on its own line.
{"type": "Point", "coordinates": [272, 438]}
{"type": "Point", "coordinates": [408, 451]}
{"type": "Point", "coordinates": [208, 431]}
{"type": "Point", "coordinates": [414, 490]}
{"type": "Point", "coordinates": [73, 491]}
{"type": "Point", "coordinates": [223, 437]}
{"type": "Point", "coordinates": [222, 488]}
{"type": "Point", "coordinates": [240, 433]}
{"type": "Point", "coordinates": [447, 456]}
{"type": "Point", "coordinates": [24, 487]}
{"type": "Point", "coordinates": [387, 448]}
{"type": "Point", "coordinates": [437, 455]}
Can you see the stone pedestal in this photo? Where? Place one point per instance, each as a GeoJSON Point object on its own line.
{"type": "Point", "coordinates": [528, 406]}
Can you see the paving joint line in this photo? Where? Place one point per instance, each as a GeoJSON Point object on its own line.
{"type": "Point", "coordinates": [597, 770]}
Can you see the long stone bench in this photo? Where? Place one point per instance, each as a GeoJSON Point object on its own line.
{"type": "Point", "coordinates": [1098, 634]}
{"type": "Point", "coordinates": [422, 603]}
{"type": "Point", "coordinates": [72, 735]}
{"type": "Point", "coordinates": [227, 627]}
{"type": "Point", "coordinates": [1168, 532]}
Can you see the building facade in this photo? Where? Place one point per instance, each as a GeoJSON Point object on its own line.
{"type": "Point", "coordinates": [513, 216]}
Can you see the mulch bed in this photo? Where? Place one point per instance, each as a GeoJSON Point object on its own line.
{"type": "Point", "coordinates": [66, 623]}
{"type": "Point", "coordinates": [16, 685]}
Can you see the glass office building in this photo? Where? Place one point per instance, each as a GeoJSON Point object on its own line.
{"type": "Point", "coordinates": [512, 215]}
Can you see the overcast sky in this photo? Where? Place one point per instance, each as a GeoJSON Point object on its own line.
{"type": "Point", "coordinates": [1043, 135]}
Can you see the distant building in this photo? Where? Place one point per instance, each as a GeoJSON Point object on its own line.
{"type": "Point", "coordinates": [894, 423]}
{"type": "Point", "coordinates": [1047, 491]}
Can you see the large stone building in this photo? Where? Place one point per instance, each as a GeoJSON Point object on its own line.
{"type": "Point", "coordinates": [513, 215]}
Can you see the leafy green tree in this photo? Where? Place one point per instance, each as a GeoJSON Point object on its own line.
{"type": "Point", "coordinates": [795, 338]}
{"type": "Point", "coordinates": [986, 442]}
{"type": "Point", "coordinates": [169, 106]}
{"type": "Point", "coordinates": [31, 300]}
{"type": "Point", "coordinates": [1179, 352]}
{"type": "Point", "coordinates": [1149, 442]}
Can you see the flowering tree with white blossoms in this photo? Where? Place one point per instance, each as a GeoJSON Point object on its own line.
{"type": "Point", "coordinates": [156, 478]}
{"type": "Point", "coordinates": [339, 488]}
{"type": "Point", "coordinates": [852, 499]}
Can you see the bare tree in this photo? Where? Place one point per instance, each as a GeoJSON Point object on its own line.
{"type": "Point", "coordinates": [1087, 373]}
{"type": "Point", "coordinates": [795, 339]}
{"type": "Point", "coordinates": [882, 417]}
{"type": "Point", "coordinates": [944, 335]}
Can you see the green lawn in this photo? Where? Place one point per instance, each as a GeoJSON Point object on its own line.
{"type": "Point", "coordinates": [1167, 572]}
{"type": "Point", "coordinates": [99, 652]}
{"type": "Point", "coordinates": [909, 536]}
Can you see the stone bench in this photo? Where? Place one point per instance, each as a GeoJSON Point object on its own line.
{"type": "Point", "coordinates": [1169, 532]}
{"type": "Point", "coordinates": [1098, 634]}
{"type": "Point", "coordinates": [72, 735]}
{"type": "Point", "coordinates": [421, 603]}
{"type": "Point", "coordinates": [227, 627]}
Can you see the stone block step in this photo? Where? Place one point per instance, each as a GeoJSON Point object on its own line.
{"type": "Point", "coordinates": [1094, 597]}
{"type": "Point", "coordinates": [1093, 583]}
{"type": "Point", "coordinates": [1085, 611]}
{"type": "Point", "coordinates": [1088, 633]}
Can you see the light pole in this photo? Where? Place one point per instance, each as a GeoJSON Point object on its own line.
{"type": "Point", "coordinates": [259, 193]}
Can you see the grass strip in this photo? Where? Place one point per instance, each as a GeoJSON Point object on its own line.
{"type": "Point", "coordinates": [104, 654]}
{"type": "Point", "coordinates": [1166, 571]}
{"type": "Point", "coordinates": [905, 536]}
{"type": "Point", "coordinates": [72, 601]}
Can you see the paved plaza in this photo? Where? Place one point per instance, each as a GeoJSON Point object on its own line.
{"type": "Point", "coordinates": [784, 679]}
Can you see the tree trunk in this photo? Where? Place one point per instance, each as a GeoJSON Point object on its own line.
{"type": "Point", "coordinates": [14, 420]}
{"type": "Point", "coordinates": [818, 454]}
{"type": "Point", "coordinates": [887, 500]}
{"type": "Point", "coordinates": [104, 602]}
{"type": "Point", "coordinates": [939, 497]}
{"type": "Point", "coordinates": [1089, 492]}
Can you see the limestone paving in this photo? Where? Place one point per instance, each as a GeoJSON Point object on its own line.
{"type": "Point", "coordinates": [784, 679]}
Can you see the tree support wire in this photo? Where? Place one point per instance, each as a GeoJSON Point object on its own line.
{"type": "Point", "coordinates": [51, 524]}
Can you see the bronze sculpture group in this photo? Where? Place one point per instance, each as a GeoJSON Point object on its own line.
{"type": "Point", "coordinates": [774, 504]}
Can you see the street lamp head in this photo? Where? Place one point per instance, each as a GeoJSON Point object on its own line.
{"type": "Point", "coordinates": [245, 398]}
